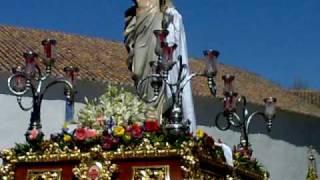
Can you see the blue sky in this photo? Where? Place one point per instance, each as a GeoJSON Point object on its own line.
{"type": "Point", "coordinates": [277, 39]}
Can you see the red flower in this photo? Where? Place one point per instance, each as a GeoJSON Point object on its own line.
{"type": "Point", "coordinates": [81, 134]}
{"type": "Point", "coordinates": [151, 126]}
{"type": "Point", "coordinates": [136, 131]}
{"type": "Point", "coordinates": [107, 142]}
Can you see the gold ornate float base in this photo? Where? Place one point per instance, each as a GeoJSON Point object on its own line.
{"type": "Point", "coordinates": [124, 165]}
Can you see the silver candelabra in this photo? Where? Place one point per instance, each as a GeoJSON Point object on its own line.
{"type": "Point", "coordinates": [30, 78]}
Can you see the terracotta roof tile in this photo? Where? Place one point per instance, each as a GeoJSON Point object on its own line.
{"type": "Point", "coordinates": [102, 60]}
{"type": "Point", "coordinates": [310, 96]}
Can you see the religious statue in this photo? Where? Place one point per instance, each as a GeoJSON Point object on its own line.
{"type": "Point", "coordinates": [141, 21]}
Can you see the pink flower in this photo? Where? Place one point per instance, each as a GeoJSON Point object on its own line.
{"type": "Point", "coordinates": [33, 134]}
{"type": "Point", "coordinates": [91, 133]}
{"type": "Point", "coordinates": [81, 134]}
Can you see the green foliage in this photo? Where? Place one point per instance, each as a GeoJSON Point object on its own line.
{"type": "Point", "coordinates": [21, 149]}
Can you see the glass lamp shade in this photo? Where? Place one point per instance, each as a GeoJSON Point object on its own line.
{"type": "Point", "coordinates": [211, 62]}
{"type": "Point", "coordinates": [71, 73]}
{"type": "Point", "coordinates": [30, 60]}
{"type": "Point", "coordinates": [49, 48]}
{"type": "Point", "coordinates": [229, 104]}
{"type": "Point", "coordinates": [270, 107]}
{"type": "Point", "coordinates": [228, 83]}
{"type": "Point", "coordinates": [168, 51]}
{"type": "Point", "coordinates": [161, 36]}
{"type": "Point", "coordinates": [19, 83]}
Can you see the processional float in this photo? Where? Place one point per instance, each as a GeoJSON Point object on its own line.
{"type": "Point", "coordinates": [103, 148]}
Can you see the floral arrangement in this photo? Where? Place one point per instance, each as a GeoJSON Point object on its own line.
{"type": "Point", "coordinates": [243, 157]}
{"type": "Point", "coordinates": [116, 105]}
{"type": "Point", "coordinates": [115, 136]}
{"type": "Point", "coordinates": [207, 144]}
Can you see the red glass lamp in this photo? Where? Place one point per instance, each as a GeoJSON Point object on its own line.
{"type": "Point", "coordinates": [30, 60]}
{"type": "Point", "coordinates": [161, 36]}
{"type": "Point", "coordinates": [71, 73]}
{"type": "Point", "coordinates": [211, 62]}
{"type": "Point", "coordinates": [228, 84]}
{"type": "Point", "coordinates": [49, 51]}
{"type": "Point", "coordinates": [168, 51]}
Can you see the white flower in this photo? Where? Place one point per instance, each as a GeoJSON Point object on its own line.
{"type": "Point", "coordinates": [123, 106]}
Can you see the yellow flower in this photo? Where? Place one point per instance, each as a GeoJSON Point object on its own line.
{"type": "Point", "coordinates": [67, 138]}
{"type": "Point", "coordinates": [118, 131]}
{"type": "Point", "coordinates": [200, 133]}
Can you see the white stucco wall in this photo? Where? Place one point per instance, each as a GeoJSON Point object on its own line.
{"type": "Point", "coordinates": [14, 122]}
{"type": "Point", "coordinates": [283, 160]}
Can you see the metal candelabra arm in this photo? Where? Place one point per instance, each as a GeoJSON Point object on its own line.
{"type": "Point", "coordinates": [157, 85]}
{"type": "Point", "coordinates": [245, 111]}
{"type": "Point", "coordinates": [186, 80]}
{"type": "Point", "coordinates": [17, 91]}
{"type": "Point", "coordinates": [212, 85]}
{"type": "Point", "coordinates": [70, 92]}
{"type": "Point", "coordinates": [231, 119]}
{"type": "Point", "coordinates": [19, 100]}
{"type": "Point", "coordinates": [257, 113]}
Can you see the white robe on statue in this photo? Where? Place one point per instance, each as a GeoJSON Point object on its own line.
{"type": "Point", "coordinates": [177, 35]}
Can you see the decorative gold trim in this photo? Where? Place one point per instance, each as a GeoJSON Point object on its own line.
{"type": "Point", "coordinates": [105, 170]}
{"type": "Point", "coordinates": [151, 172]}
{"type": "Point", "coordinates": [53, 153]}
{"type": "Point", "coordinates": [45, 174]}
{"type": "Point", "coordinates": [190, 163]}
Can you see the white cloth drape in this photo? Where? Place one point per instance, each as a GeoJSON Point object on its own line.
{"type": "Point", "coordinates": [177, 35]}
{"type": "Point", "coordinates": [227, 152]}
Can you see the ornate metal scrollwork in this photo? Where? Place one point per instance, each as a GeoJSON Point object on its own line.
{"type": "Point", "coordinates": [39, 174]}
